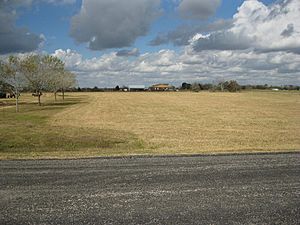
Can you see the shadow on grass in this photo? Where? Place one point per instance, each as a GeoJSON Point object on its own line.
{"type": "Point", "coordinates": [28, 133]}
{"type": "Point", "coordinates": [48, 105]}
{"type": "Point", "coordinates": [39, 138]}
{"type": "Point", "coordinates": [67, 103]}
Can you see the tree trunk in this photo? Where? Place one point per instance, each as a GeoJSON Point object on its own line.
{"type": "Point", "coordinates": [63, 92]}
{"type": "Point", "coordinates": [55, 93]}
{"type": "Point", "coordinates": [39, 98]}
{"type": "Point", "coordinates": [17, 101]}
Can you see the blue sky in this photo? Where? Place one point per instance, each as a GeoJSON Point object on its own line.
{"type": "Point", "coordinates": [152, 41]}
{"type": "Point", "coordinates": [54, 22]}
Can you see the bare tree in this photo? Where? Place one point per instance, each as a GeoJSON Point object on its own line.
{"type": "Point", "coordinates": [13, 78]}
{"type": "Point", "coordinates": [55, 70]}
{"type": "Point", "coordinates": [40, 71]}
{"type": "Point", "coordinates": [68, 80]}
{"type": "Point", "coordinates": [37, 72]}
{"type": "Point", "coordinates": [31, 68]}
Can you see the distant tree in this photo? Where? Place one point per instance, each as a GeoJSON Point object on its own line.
{"type": "Point", "coordinates": [196, 87]}
{"type": "Point", "coordinates": [218, 84]}
{"type": "Point", "coordinates": [186, 86]}
{"type": "Point", "coordinates": [222, 84]}
{"type": "Point", "coordinates": [117, 88]}
{"type": "Point", "coordinates": [260, 87]}
{"type": "Point", "coordinates": [95, 89]}
{"type": "Point", "coordinates": [207, 86]}
{"type": "Point", "coordinates": [233, 86]}
{"type": "Point", "coordinates": [12, 78]}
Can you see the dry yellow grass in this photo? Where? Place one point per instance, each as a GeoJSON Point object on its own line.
{"type": "Point", "coordinates": [27, 134]}
{"type": "Point", "coordinates": [194, 122]}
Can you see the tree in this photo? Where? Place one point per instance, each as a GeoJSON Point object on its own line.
{"type": "Point", "coordinates": [233, 86]}
{"type": "Point", "coordinates": [4, 87]}
{"type": "Point", "coordinates": [207, 86]}
{"type": "Point", "coordinates": [219, 85]}
{"type": "Point", "coordinates": [44, 73]}
{"type": "Point", "coordinates": [68, 80]}
{"type": "Point", "coordinates": [32, 68]}
{"type": "Point", "coordinates": [185, 86]}
{"type": "Point", "coordinates": [59, 79]}
{"type": "Point", "coordinates": [38, 73]}
{"type": "Point", "coordinates": [12, 78]}
{"type": "Point", "coordinates": [196, 87]}
{"type": "Point", "coordinates": [55, 70]}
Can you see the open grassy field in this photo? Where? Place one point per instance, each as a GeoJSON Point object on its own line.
{"type": "Point", "coordinates": [101, 124]}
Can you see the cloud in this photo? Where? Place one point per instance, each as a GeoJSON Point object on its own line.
{"type": "Point", "coordinates": [15, 39]}
{"type": "Point", "coordinates": [221, 41]}
{"type": "Point", "coordinates": [169, 66]}
{"type": "Point", "coordinates": [127, 53]}
{"type": "Point", "coordinates": [259, 27]}
{"type": "Point", "coordinates": [71, 58]}
{"type": "Point", "coordinates": [198, 9]}
{"type": "Point", "coordinates": [183, 34]}
{"type": "Point", "coordinates": [12, 38]}
{"type": "Point", "coordinates": [105, 24]}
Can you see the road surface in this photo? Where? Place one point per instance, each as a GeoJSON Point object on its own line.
{"type": "Point", "coordinates": [232, 189]}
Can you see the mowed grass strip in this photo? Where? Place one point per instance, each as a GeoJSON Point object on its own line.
{"type": "Point", "coordinates": [187, 123]}
{"type": "Point", "coordinates": [28, 134]}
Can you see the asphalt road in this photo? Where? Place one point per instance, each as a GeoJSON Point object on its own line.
{"type": "Point", "coordinates": [236, 189]}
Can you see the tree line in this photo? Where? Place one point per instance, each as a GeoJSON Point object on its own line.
{"type": "Point", "coordinates": [234, 86]}
{"type": "Point", "coordinates": [226, 86]}
{"type": "Point", "coordinates": [231, 86]}
{"type": "Point", "coordinates": [36, 73]}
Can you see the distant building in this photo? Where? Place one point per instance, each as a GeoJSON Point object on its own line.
{"type": "Point", "coordinates": [125, 89]}
{"type": "Point", "coordinates": [161, 87]}
{"type": "Point", "coordinates": [136, 88]}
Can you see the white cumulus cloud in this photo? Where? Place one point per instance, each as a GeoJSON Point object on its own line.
{"type": "Point", "coordinates": [260, 27]}
{"type": "Point", "coordinates": [169, 66]}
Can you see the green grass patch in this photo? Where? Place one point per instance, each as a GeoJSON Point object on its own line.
{"type": "Point", "coordinates": [28, 134]}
